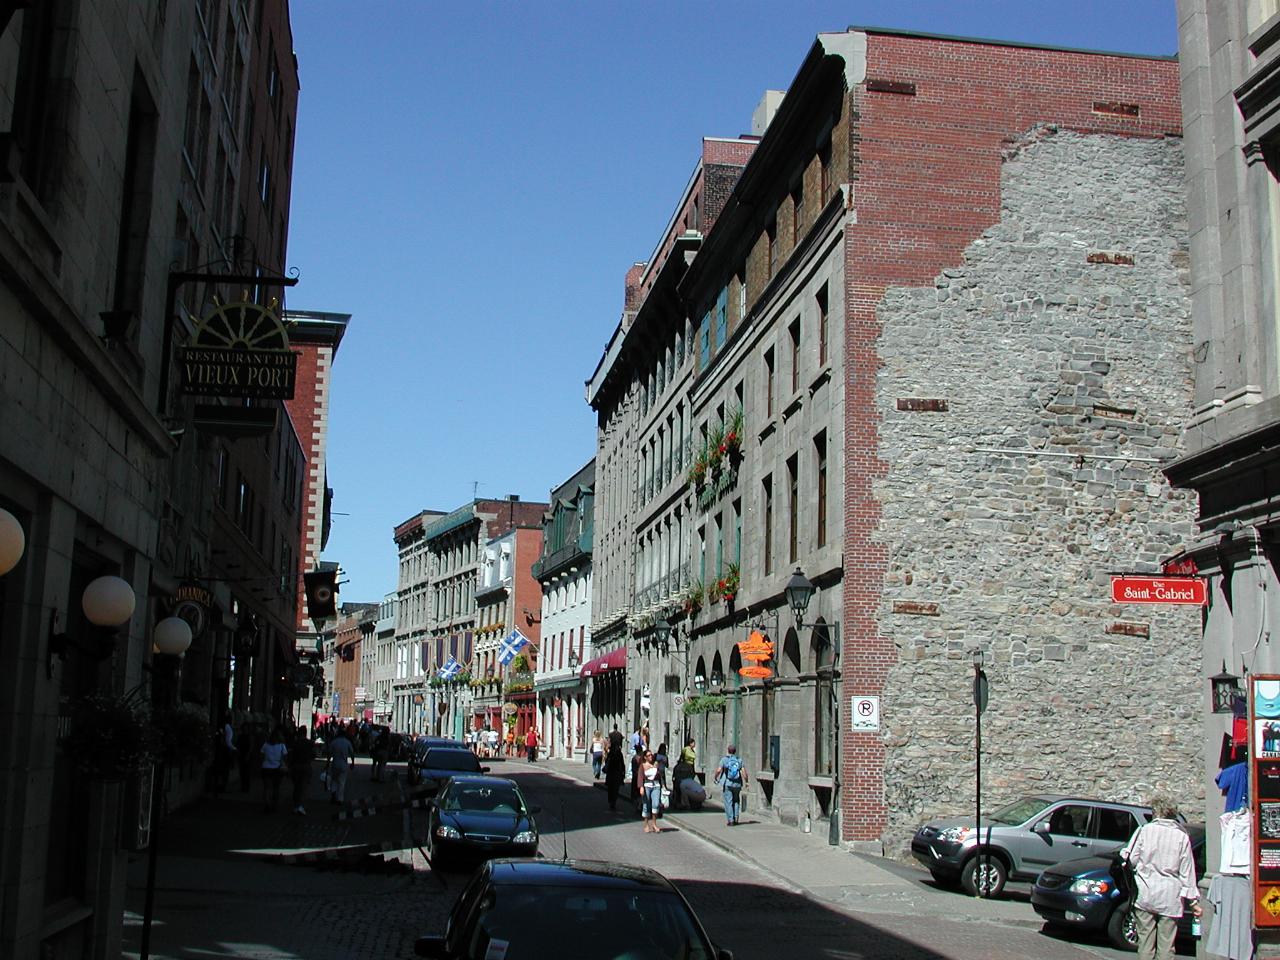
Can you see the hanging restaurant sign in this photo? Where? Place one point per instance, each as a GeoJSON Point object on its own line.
{"type": "Point", "coordinates": [758, 650]}
{"type": "Point", "coordinates": [239, 350]}
{"type": "Point", "coordinates": [1188, 590]}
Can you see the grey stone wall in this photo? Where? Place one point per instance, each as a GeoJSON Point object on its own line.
{"type": "Point", "coordinates": [1064, 337]}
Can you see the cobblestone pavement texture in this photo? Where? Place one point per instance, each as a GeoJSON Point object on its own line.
{"type": "Point", "coordinates": [225, 888]}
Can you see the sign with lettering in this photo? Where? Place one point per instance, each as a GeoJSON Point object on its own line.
{"type": "Point", "coordinates": [1189, 590]}
{"type": "Point", "coordinates": [239, 350]}
{"type": "Point", "coordinates": [757, 649]}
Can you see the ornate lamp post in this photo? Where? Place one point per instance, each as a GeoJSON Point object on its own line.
{"type": "Point", "coordinates": [799, 591]}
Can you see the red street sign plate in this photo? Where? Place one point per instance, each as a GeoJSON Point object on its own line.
{"type": "Point", "coordinates": [1159, 590]}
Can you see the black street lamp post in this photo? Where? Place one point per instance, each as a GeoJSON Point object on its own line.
{"type": "Point", "coordinates": [799, 591]}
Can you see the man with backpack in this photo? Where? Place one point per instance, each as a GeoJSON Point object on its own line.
{"type": "Point", "coordinates": [732, 776]}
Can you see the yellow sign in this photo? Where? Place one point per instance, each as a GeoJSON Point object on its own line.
{"type": "Point", "coordinates": [1271, 901]}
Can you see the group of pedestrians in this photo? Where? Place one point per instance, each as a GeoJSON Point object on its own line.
{"type": "Point", "coordinates": [650, 793]}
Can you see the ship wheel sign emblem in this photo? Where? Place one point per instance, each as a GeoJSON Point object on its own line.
{"type": "Point", "coordinates": [239, 349]}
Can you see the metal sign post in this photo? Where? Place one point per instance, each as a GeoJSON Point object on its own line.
{"type": "Point", "coordinates": [979, 705]}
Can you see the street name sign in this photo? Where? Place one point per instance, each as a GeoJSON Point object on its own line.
{"type": "Point", "coordinates": [1186, 590]}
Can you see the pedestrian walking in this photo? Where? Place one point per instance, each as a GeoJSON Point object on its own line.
{"type": "Point", "coordinates": [597, 753]}
{"type": "Point", "coordinates": [732, 776]}
{"type": "Point", "coordinates": [650, 791]}
{"type": "Point", "coordinates": [494, 738]}
{"type": "Point", "coordinates": [274, 752]}
{"type": "Point", "coordinates": [341, 753]}
{"type": "Point", "coordinates": [615, 738]}
{"type": "Point", "coordinates": [615, 771]}
{"type": "Point", "coordinates": [380, 751]}
{"type": "Point", "coordinates": [683, 770]}
{"type": "Point", "coordinates": [1165, 878]}
{"type": "Point", "coordinates": [224, 755]}
{"type": "Point", "coordinates": [511, 741]}
{"type": "Point", "coordinates": [531, 744]}
{"type": "Point", "coordinates": [301, 755]}
{"type": "Point", "coordinates": [246, 752]}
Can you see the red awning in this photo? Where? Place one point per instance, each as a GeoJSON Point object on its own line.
{"type": "Point", "coordinates": [613, 660]}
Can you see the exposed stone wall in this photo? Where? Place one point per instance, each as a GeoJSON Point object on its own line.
{"type": "Point", "coordinates": [1065, 331]}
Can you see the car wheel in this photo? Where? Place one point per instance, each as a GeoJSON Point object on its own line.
{"type": "Point", "coordinates": [943, 879]}
{"type": "Point", "coordinates": [1121, 929]}
{"type": "Point", "coordinates": [985, 874]}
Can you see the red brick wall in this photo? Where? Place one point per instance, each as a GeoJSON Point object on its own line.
{"type": "Point", "coordinates": [302, 412]}
{"type": "Point", "coordinates": [526, 591]}
{"type": "Point", "coordinates": [926, 174]}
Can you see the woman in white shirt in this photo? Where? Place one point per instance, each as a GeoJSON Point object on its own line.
{"type": "Point", "coordinates": [597, 753]}
{"type": "Point", "coordinates": [273, 753]}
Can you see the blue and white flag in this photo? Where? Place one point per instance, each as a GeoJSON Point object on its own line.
{"type": "Point", "coordinates": [509, 647]}
{"type": "Point", "coordinates": [450, 670]}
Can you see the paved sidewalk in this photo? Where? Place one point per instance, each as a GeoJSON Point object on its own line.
{"type": "Point", "coordinates": [829, 874]}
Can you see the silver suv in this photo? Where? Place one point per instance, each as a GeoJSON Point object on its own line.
{"type": "Point", "coordinates": [1018, 841]}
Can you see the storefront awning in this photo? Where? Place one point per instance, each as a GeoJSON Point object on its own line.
{"type": "Point", "coordinates": [613, 660]}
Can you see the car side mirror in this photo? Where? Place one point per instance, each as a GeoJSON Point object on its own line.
{"type": "Point", "coordinates": [1041, 827]}
{"type": "Point", "coordinates": [484, 769]}
{"type": "Point", "coordinates": [430, 947]}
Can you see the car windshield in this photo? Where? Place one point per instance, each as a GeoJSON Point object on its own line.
{"type": "Point", "coordinates": [483, 798]}
{"type": "Point", "coordinates": [1020, 811]}
{"type": "Point", "coordinates": [518, 923]}
{"type": "Point", "coordinates": [452, 760]}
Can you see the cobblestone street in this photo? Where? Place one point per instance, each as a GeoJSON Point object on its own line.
{"type": "Point", "coordinates": [236, 882]}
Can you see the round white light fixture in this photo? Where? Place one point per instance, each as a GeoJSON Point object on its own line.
{"type": "Point", "coordinates": [172, 636]}
{"type": "Point", "coordinates": [108, 602]}
{"type": "Point", "coordinates": [12, 541]}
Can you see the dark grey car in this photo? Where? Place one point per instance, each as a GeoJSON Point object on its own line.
{"type": "Point", "coordinates": [1020, 840]}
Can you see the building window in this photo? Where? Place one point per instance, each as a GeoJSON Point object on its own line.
{"type": "Point", "coordinates": [793, 509]}
{"type": "Point", "coordinates": [794, 332]}
{"type": "Point", "coordinates": [823, 320]}
{"type": "Point", "coordinates": [824, 161]}
{"type": "Point", "coordinates": [742, 293]}
{"type": "Point", "coordinates": [264, 178]}
{"type": "Point", "coordinates": [766, 493]}
{"type": "Point", "coordinates": [768, 382]}
{"type": "Point", "coordinates": [797, 212]}
{"type": "Point", "coordinates": [722, 318]}
{"type": "Point", "coordinates": [771, 237]}
{"type": "Point", "coordinates": [820, 463]}
{"type": "Point", "coordinates": [704, 341]}
{"type": "Point", "coordinates": [737, 532]}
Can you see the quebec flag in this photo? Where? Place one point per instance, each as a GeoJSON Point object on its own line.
{"type": "Point", "coordinates": [450, 670]}
{"type": "Point", "coordinates": [511, 646]}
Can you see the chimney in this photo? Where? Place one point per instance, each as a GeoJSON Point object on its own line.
{"type": "Point", "coordinates": [631, 298]}
{"type": "Point", "coordinates": [765, 110]}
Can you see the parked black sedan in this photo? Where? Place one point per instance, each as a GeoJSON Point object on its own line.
{"type": "Point", "coordinates": [1091, 895]}
{"type": "Point", "coordinates": [478, 817]}
{"type": "Point", "coordinates": [437, 764]}
{"type": "Point", "coordinates": [522, 909]}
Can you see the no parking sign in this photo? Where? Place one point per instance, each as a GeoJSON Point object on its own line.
{"type": "Point", "coordinates": [864, 715]}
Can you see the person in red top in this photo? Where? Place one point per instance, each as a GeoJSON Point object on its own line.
{"type": "Point", "coordinates": [531, 744]}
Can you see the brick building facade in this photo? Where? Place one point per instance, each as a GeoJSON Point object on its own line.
{"type": "Point", "coordinates": [945, 310]}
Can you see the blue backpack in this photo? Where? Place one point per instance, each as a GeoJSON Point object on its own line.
{"type": "Point", "coordinates": [732, 770]}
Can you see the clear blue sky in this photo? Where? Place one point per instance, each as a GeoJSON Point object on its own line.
{"type": "Point", "coordinates": [472, 180]}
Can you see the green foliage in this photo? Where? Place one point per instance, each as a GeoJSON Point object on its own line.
{"type": "Point", "coordinates": [183, 734]}
{"type": "Point", "coordinates": [110, 737]}
{"type": "Point", "coordinates": [705, 703]}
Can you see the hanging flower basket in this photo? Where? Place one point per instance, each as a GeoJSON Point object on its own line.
{"type": "Point", "coordinates": [183, 734]}
{"type": "Point", "coordinates": [110, 737]}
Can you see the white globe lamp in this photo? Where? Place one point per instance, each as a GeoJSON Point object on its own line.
{"type": "Point", "coordinates": [172, 636]}
{"type": "Point", "coordinates": [12, 541]}
{"type": "Point", "coordinates": [108, 602]}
